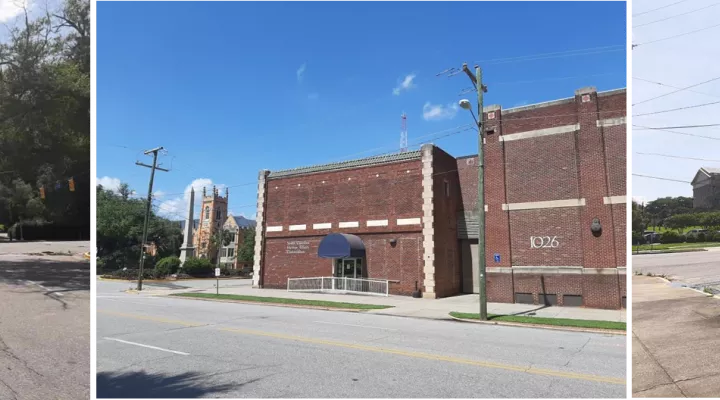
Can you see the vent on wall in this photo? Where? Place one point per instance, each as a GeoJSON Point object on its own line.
{"type": "Point", "coordinates": [470, 161]}
{"type": "Point", "coordinates": [524, 298]}
{"type": "Point", "coordinates": [572, 300]}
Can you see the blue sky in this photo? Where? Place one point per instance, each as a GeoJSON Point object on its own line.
{"type": "Point", "coordinates": [232, 88]}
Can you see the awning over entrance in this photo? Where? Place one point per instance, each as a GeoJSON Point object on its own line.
{"type": "Point", "coordinates": [341, 245]}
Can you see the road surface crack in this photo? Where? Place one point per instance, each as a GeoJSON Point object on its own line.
{"type": "Point", "coordinates": [577, 352]}
{"type": "Point", "coordinates": [15, 394]}
{"type": "Point", "coordinates": [5, 349]}
{"type": "Point", "coordinates": [652, 357]}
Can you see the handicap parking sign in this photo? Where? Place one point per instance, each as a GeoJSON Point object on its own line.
{"type": "Point", "coordinates": [497, 257]}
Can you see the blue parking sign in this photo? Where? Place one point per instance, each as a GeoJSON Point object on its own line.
{"type": "Point", "coordinates": [497, 257]}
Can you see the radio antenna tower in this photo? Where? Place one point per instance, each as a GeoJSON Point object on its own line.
{"type": "Point", "coordinates": [403, 134]}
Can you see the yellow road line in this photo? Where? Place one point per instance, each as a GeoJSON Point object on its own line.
{"type": "Point", "coordinates": [413, 354]}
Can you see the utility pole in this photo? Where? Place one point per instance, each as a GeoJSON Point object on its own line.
{"type": "Point", "coordinates": [152, 167]}
{"type": "Point", "coordinates": [477, 81]}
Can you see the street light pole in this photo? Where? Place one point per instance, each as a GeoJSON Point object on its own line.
{"type": "Point", "coordinates": [477, 80]}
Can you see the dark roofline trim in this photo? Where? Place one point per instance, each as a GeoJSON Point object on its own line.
{"type": "Point", "coordinates": [343, 165]}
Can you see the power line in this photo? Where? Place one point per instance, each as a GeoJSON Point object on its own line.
{"type": "Point", "coordinates": [558, 54]}
{"type": "Point", "coordinates": [677, 109]}
{"type": "Point", "coordinates": [552, 79]}
{"type": "Point", "coordinates": [675, 87]}
{"type": "Point", "coordinates": [660, 178]}
{"type": "Point", "coordinates": [679, 157]}
{"type": "Point", "coordinates": [676, 36]}
{"type": "Point", "coordinates": [659, 8]}
{"type": "Point", "coordinates": [677, 132]}
{"type": "Point", "coordinates": [684, 126]}
{"type": "Point", "coordinates": [676, 15]}
{"type": "Point", "coordinates": [677, 91]}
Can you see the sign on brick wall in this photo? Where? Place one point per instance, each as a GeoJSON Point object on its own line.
{"type": "Point", "coordinates": [297, 247]}
{"type": "Point", "coordinates": [538, 242]}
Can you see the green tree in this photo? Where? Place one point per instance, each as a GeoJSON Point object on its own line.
{"type": "Point", "coordinates": [639, 219]}
{"type": "Point", "coordinates": [119, 231]}
{"type": "Point", "coordinates": [45, 116]}
{"type": "Point", "coordinates": [247, 249]}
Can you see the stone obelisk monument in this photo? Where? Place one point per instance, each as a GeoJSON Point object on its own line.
{"type": "Point", "coordinates": [187, 249]}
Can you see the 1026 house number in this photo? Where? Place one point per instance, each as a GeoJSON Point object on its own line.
{"type": "Point", "coordinates": [538, 242]}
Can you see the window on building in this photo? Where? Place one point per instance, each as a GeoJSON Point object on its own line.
{"type": "Point", "coordinates": [232, 237]}
{"type": "Point", "coordinates": [218, 214]}
{"type": "Point", "coordinates": [447, 189]}
{"type": "Point", "coordinates": [207, 212]}
{"type": "Point", "coordinates": [230, 252]}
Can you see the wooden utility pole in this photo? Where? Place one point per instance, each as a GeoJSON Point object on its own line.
{"type": "Point", "coordinates": [152, 167]}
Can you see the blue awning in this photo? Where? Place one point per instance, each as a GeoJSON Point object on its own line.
{"type": "Point", "coordinates": [341, 245]}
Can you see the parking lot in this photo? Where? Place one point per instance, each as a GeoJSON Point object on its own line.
{"type": "Point", "coordinates": [698, 270]}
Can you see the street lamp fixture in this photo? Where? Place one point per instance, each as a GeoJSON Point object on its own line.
{"type": "Point", "coordinates": [466, 105]}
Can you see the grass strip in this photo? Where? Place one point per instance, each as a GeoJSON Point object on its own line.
{"type": "Point", "coordinates": [577, 323]}
{"type": "Point", "coordinates": [280, 300]}
{"type": "Point", "coordinates": [674, 246]}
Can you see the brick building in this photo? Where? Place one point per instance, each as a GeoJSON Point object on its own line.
{"type": "Point", "coordinates": [554, 173]}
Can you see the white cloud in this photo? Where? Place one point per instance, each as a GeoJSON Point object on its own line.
{"type": "Point", "coordinates": [405, 84]}
{"type": "Point", "coordinates": [158, 194]}
{"type": "Point", "coordinates": [438, 112]}
{"type": "Point", "coordinates": [301, 72]}
{"type": "Point", "coordinates": [10, 9]}
{"type": "Point", "coordinates": [686, 60]}
{"type": "Point", "coordinates": [108, 182]}
{"type": "Point", "coordinates": [176, 207]}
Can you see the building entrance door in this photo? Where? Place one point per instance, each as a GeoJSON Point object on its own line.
{"type": "Point", "coordinates": [347, 268]}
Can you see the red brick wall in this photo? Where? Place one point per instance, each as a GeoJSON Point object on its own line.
{"type": "Point", "coordinates": [379, 192]}
{"type": "Point", "coordinates": [448, 272]}
{"type": "Point", "coordinates": [390, 191]}
{"type": "Point", "coordinates": [589, 164]}
{"type": "Point", "coordinates": [401, 263]}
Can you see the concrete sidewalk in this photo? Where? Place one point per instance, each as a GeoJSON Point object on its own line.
{"type": "Point", "coordinates": [675, 340]}
{"type": "Point", "coordinates": [420, 308]}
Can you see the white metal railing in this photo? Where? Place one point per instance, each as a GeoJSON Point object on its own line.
{"type": "Point", "coordinates": [332, 284]}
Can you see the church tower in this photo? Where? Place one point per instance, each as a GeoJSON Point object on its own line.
{"type": "Point", "coordinates": [213, 213]}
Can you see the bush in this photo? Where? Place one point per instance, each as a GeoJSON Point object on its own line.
{"type": "Point", "coordinates": [701, 237]}
{"type": "Point", "coordinates": [671, 237]}
{"type": "Point", "coordinates": [167, 266]}
{"type": "Point", "coordinates": [198, 267]}
{"type": "Point", "coordinates": [637, 239]}
{"type": "Point", "coordinates": [715, 237]}
{"type": "Point", "coordinates": [130, 274]}
{"type": "Point", "coordinates": [690, 238]}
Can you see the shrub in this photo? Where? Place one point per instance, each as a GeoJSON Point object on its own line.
{"type": "Point", "coordinates": [198, 267]}
{"type": "Point", "coordinates": [701, 237]}
{"type": "Point", "coordinates": [690, 238]}
{"type": "Point", "coordinates": [130, 274]}
{"type": "Point", "coordinates": [671, 237]}
{"type": "Point", "coordinates": [167, 266]}
{"type": "Point", "coordinates": [637, 239]}
{"type": "Point", "coordinates": [715, 237]}
{"type": "Point", "coordinates": [38, 230]}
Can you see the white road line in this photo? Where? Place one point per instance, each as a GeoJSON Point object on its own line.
{"type": "Point", "coordinates": [147, 346]}
{"type": "Point", "coordinates": [357, 326]}
{"type": "Point", "coordinates": [43, 288]}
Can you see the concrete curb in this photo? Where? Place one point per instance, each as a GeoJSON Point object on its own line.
{"type": "Point", "coordinates": [540, 326]}
{"type": "Point", "coordinates": [688, 287]}
{"type": "Point", "coordinates": [275, 304]}
{"type": "Point", "coordinates": [167, 280]}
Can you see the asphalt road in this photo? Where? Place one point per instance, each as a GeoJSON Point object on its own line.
{"type": "Point", "coordinates": [44, 323]}
{"type": "Point", "coordinates": [696, 269]}
{"type": "Point", "coordinates": [155, 347]}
